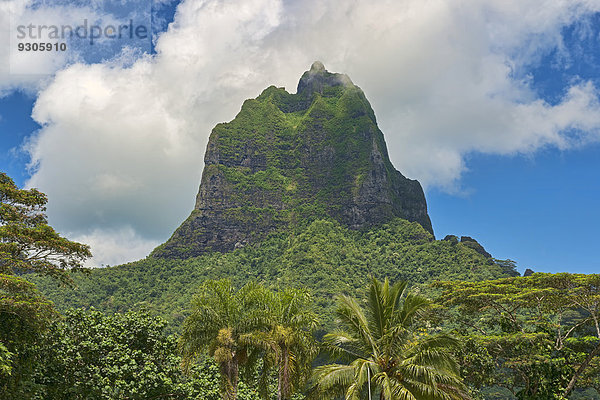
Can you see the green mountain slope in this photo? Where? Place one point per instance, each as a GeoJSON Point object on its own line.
{"type": "Point", "coordinates": [326, 257]}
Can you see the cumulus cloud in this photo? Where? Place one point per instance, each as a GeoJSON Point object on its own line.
{"type": "Point", "coordinates": [108, 245]}
{"type": "Point", "coordinates": [35, 21]}
{"type": "Point", "coordinates": [121, 145]}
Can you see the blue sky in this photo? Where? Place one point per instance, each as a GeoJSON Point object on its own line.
{"type": "Point", "coordinates": [493, 106]}
{"type": "Point", "coordinates": [541, 211]}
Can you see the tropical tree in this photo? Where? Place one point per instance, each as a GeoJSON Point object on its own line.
{"type": "Point", "coordinates": [24, 316]}
{"type": "Point", "coordinates": [289, 345]}
{"type": "Point", "coordinates": [27, 242]}
{"type": "Point", "coordinates": [386, 355]}
{"type": "Point", "coordinates": [542, 330]}
{"type": "Point", "coordinates": [223, 322]}
{"type": "Point", "coordinates": [96, 356]}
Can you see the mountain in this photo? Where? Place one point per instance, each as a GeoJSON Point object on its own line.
{"type": "Point", "coordinates": [297, 191]}
{"type": "Point", "coordinates": [289, 159]}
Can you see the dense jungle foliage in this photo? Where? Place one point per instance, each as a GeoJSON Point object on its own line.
{"type": "Point", "coordinates": [326, 258]}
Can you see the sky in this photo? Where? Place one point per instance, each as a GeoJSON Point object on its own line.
{"type": "Point", "coordinates": [493, 105]}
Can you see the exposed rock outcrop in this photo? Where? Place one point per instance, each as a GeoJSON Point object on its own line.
{"type": "Point", "coordinates": [287, 159]}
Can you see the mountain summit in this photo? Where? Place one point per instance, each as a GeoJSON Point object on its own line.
{"type": "Point", "coordinates": [288, 159]}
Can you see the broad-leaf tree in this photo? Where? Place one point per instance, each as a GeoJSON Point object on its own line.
{"type": "Point", "coordinates": [94, 356]}
{"type": "Point", "coordinates": [543, 329]}
{"type": "Point", "coordinates": [387, 356]}
{"type": "Point", "coordinates": [24, 315]}
{"type": "Point", "coordinates": [27, 242]}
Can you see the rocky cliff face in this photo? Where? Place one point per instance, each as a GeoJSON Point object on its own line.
{"type": "Point", "coordinates": [287, 159]}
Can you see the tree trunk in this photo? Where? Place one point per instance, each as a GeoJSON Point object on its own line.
{"type": "Point", "coordinates": [283, 384]}
{"type": "Point", "coordinates": [279, 395]}
{"type": "Point", "coordinates": [229, 371]}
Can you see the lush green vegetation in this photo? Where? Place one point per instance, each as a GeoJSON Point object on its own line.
{"type": "Point", "coordinates": [27, 245]}
{"type": "Point", "coordinates": [249, 328]}
{"type": "Point", "coordinates": [538, 337]}
{"type": "Point", "coordinates": [27, 242]}
{"type": "Point", "coordinates": [91, 355]}
{"type": "Point", "coordinates": [287, 160]}
{"type": "Point", "coordinates": [326, 258]}
{"type": "Point", "coordinates": [393, 343]}
{"type": "Point", "coordinates": [389, 352]}
{"type": "Point", "coordinates": [167, 329]}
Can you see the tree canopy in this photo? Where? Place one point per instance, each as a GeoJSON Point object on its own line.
{"type": "Point", "coordinates": [222, 323]}
{"type": "Point", "coordinates": [27, 242]}
{"type": "Point", "coordinates": [27, 245]}
{"type": "Point", "coordinates": [543, 330]}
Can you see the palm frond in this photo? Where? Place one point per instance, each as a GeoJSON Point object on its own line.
{"type": "Point", "coordinates": [412, 308]}
{"type": "Point", "coordinates": [355, 321]}
{"type": "Point", "coordinates": [382, 341]}
{"type": "Point", "coordinates": [329, 380]}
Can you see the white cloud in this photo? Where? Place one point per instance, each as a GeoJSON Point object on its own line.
{"type": "Point", "coordinates": [109, 249]}
{"type": "Point", "coordinates": [32, 22]}
{"type": "Point", "coordinates": [121, 147]}
{"type": "Point", "coordinates": [106, 162]}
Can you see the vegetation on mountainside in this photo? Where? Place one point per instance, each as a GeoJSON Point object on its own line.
{"type": "Point", "coordinates": [326, 258]}
{"type": "Point", "coordinates": [287, 160]}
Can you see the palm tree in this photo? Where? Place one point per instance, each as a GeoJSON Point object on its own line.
{"type": "Point", "coordinates": [289, 344]}
{"type": "Point", "coordinates": [387, 357]}
{"type": "Point", "coordinates": [223, 322]}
